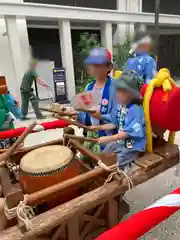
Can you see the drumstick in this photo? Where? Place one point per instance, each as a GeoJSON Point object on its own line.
{"type": "Point", "coordinates": [80, 125]}
{"type": "Point", "coordinates": [85, 110]}
{"type": "Point", "coordinates": [93, 156]}
{"type": "Point", "coordinates": [95, 140]}
{"type": "Point", "coordinates": [5, 156]}
{"type": "Point", "coordinates": [59, 112]}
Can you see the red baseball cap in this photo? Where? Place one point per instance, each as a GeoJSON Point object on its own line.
{"type": "Point", "coordinates": [109, 54]}
{"type": "Point", "coordinates": [99, 56]}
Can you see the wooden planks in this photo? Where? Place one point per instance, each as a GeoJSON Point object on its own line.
{"type": "Point", "coordinates": [45, 222]}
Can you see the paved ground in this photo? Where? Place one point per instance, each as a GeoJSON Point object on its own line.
{"type": "Point", "coordinates": [141, 196]}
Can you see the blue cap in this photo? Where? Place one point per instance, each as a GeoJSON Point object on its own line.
{"type": "Point", "coordinates": [98, 56]}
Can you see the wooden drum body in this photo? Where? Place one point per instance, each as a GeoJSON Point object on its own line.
{"type": "Point", "coordinates": [47, 166]}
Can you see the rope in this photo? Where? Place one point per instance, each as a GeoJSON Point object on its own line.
{"type": "Point", "coordinates": [13, 168]}
{"type": "Point", "coordinates": [23, 213]}
{"type": "Point", "coordinates": [113, 169]}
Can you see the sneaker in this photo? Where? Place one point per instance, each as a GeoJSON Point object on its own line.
{"type": "Point", "coordinates": [41, 117]}
{"type": "Point", "coordinates": [24, 118]}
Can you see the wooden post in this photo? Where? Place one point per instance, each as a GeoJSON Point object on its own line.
{"type": "Point", "coordinates": [12, 192]}
{"type": "Point", "coordinates": [112, 213]}
{"type": "Point", "coordinates": [73, 228]}
{"type": "Point", "coordinates": [66, 131]}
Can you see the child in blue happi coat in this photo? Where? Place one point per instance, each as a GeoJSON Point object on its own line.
{"type": "Point", "coordinates": [128, 120]}
{"type": "Point", "coordinates": [99, 65]}
{"type": "Point", "coordinates": [142, 62]}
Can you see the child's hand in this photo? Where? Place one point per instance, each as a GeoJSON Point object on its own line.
{"type": "Point", "coordinates": [16, 103]}
{"type": "Point", "coordinates": [74, 116]}
{"type": "Point", "coordinates": [92, 128]}
{"type": "Point", "coordinates": [103, 140]}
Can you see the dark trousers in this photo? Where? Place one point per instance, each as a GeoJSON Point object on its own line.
{"type": "Point", "coordinates": [26, 97]}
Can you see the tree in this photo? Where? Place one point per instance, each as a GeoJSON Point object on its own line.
{"type": "Point", "coordinates": [86, 42]}
{"type": "Point", "coordinates": [121, 53]}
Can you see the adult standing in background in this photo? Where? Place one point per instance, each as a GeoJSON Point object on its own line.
{"type": "Point", "coordinates": [142, 62]}
{"type": "Point", "coordinates": [27, 92]}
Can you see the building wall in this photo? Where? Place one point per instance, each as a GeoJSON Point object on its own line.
{"type": "Point", "coordinates": [5, 61]}
{"type": "Point", "coordinates": [122, 30]}
{"type": "Point", "coordinates": [6, 64]}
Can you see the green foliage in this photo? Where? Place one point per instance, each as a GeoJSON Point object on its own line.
{"type": "Point", "coordinates": [86, 42]}
{"type": "Point", "coordinates": [121, 53]}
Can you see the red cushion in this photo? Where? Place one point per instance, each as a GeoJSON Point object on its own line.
{"type": "Point", "coordinates": [165, 114]}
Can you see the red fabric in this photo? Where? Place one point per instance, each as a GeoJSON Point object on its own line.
{"type": "Point", "coordinates": [18, 131]}
{"type": "Point", "coordinates": [140, 223]}
{"type": "Point", "coordinates": [165, 114]}
{"type": "Point", "coordinates": [109, 55]}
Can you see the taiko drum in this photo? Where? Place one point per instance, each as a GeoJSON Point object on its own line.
{"type": "Point", "coordinates": [47, 166]}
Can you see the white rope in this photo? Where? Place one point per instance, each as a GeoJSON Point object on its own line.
{"type": "Point", "coordinates": [24, 215]}
{"type": "Point", "coordinates": [129, 180]}
{"type": "Point", "coordinates": [114, 170]}
{"type": "Point", "coordinates": [23, 212]}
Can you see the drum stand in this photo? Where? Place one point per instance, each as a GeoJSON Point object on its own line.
{"type": "Point", "coordinates": [13, 193]}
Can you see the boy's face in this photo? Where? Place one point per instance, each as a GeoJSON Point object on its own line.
{"type": "Point", "coordinates": [33, 66]}
{"type": "Point", "coordinates": [97, 70]}
{"type": "Point", "coordinates": [123, 96]}
{"type": "Point", "coordinates": [146, 47]}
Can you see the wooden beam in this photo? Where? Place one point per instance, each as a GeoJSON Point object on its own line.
{"type": "Point", "coordinates": [77, 181]}
{"type": "Point", "coordinates": [5, 156]}
{"type": "Point", "coordinates": [45, 222]}
{"type": "Point", "coordinates": [93, 157]}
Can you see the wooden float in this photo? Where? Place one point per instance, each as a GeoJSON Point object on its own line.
{"type": "Point", "coordinates": [96, 205]}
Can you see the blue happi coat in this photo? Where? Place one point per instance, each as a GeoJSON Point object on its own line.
{"type": "Point", "coordinates": [106, 106]}
{"type": "Point", "coordinates": [143, 64]}
{"type": "Point", "coordinates": [129, 119]}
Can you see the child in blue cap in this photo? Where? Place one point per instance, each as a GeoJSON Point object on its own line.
{"type": "Point", "coordinates": [128, 120]}
{"type": "Point", "coordinates": [99, 65]}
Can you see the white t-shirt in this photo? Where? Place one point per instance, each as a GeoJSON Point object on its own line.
{"type": "Point", "coordinates": [95, 121]}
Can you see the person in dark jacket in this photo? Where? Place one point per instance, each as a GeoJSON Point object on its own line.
{"type": "Point", "coordinates": [27, 92]}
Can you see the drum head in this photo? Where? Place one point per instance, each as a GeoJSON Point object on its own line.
{"type": "Point", "coordinates": [46, 159]}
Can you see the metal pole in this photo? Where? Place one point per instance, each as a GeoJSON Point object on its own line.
{"type": "Point", "coordinates": [156, 25]}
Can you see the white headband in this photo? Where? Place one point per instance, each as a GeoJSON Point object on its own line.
{"type": "Point", "coordinates": [145, 40]}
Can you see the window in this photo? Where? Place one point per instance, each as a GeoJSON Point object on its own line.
{"type": "Point", "coordinates": [79, 3]}
{"type": "Point", "coordinates": [166, 6]}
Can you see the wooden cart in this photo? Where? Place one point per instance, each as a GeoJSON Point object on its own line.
{"type": "Point", "coordinates": [98, 205]}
